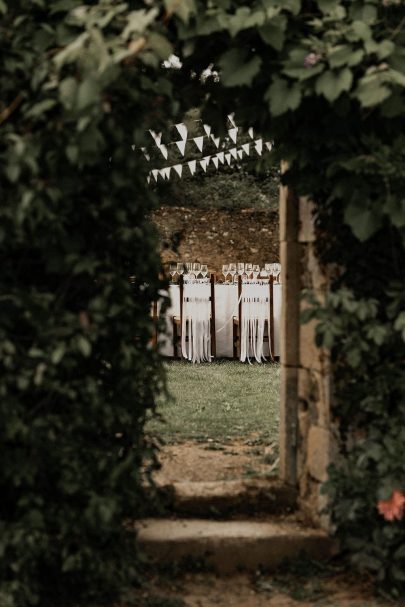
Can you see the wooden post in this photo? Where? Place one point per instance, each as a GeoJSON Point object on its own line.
{"type": "Point", "coordinates": [271, 323]}
{"type": "Point", "coordinates": [181, 285]}
{"type": "Point", "coordinates": [213, 332]}
{"type": "Point", "coordinates": [239, 310]}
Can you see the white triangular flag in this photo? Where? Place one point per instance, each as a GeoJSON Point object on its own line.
{"type": "Point", "coordinates": [220, 155]}
{"type": "Point", "coordinates": [259, 146]}
{"type": "Point", "coordinates": [233, 152]}
{"type": "Point", "coordinates": [182, 129]}
{"type": "Point", "coordinates": [203, 164]}
{"type": "Point", "coordinates": [145, 153]}
{"type": "Point", "coordinates": [228, 158]}
{"type": "Point", "coordinates": [215, 160]}
{"type": "Point", "coordinates": [163, 149]}
{"type": "Point", "coordinates": [182, 146]}
{"type": "Point", "coordinates": [192, 166]}
{"type": "Point", "coordinates": [155, 174]}
{"type": "Point", "coordinates": [148, 178]}
{"type": "Point", "coordinates": [199, 142]}
{"type": "Point", "coordinates": [246, 148]}
{"type": "Point", "coordinates": [216, 140]}
{"type": "Point", "coordinates": [156, 136]}
{"type": "Point", "coordinates": [207, 129]}
{"type": "Point", "coordinates": [231, 120]}
{"type": "Point", "coordinates": [269, 145]}
{"type": "Point", "coordinates": [250, 131]}
{"type": "Point", "coordinates": [240, 153]}
{"type": "Point", "coordinates": [233, 134]}
{"type": "Point", "coordinates": [133, 147]}
{"type": "Point", "coordinates": [179, 169]}
{"type": "Point", "coordinates": [165, 173]}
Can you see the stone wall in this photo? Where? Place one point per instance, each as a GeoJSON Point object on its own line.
{"type": "Point", "coordinates": [307, 442]}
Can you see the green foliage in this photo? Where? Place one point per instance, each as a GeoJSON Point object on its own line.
{"type": "Point", "coordinates": [225, 189]}
{"type": "Point", "coordinates": [82, 82]}
{"type": "Point", "coordinates": [325, 80]}
{"type": "Point", "coordinates": [79, 84]}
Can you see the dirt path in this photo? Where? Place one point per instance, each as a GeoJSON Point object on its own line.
{"type": "Point", "coordinates": [210, 460]}
{"type": "Point", "coordinates": [328, 588]}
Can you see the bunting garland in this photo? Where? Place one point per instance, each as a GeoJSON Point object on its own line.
{"type": "Point", "coordinates": [179, 169]}
{"type": "Point", "coordinates": [182, 146]}
{"type": "Point", "coordinates": [164, 151]}
{"type": "Point", "coordinates": [259, 146]}
{"type": "Point", "coordinates": [220, 157]}
{"type": "Point", "coordinates": [217, 159]}
{"type": "Point", "coordinates": [157, 137]}
{"type": "Point", "coordinates": [182, 129]}
{"type": "Point", "coordinates": [199, 141]}
{"type": "Point", "coordinates": [192, 165]}
{"type": "Point", "coordinates": [233, 134]}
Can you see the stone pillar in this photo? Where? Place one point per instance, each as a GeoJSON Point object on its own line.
{"type": "Point", "coordinates": [316, 444]}
{"type": "Point", "coordinates": [307, 443]}
{"type": "Point", "coordinates": [290, 278]}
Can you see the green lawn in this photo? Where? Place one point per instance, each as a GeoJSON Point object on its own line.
{"type": "Point", "coordinates": [219, 400]}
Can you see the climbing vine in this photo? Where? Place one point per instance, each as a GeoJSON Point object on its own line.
{"type": "Point", "coordinates": [80, 83]}
{"type": "Point", "coordinates": [325, 80]}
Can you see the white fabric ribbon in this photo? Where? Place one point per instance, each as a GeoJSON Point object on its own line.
{"type": "Point", "coordinates": [255, 300]}
{"type": "Point", "coordinates": [196, 323]}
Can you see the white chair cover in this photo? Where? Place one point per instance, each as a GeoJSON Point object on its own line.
{"type": "Point", "coordinates": [196, 323]}
{"type": "Point", "coordinates": [255, 299]}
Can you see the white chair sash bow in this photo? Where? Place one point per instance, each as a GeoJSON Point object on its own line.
{"type": "Point", "coordinates": [255, 300]}
{"type": "Point", "coordinates": [196, 321]}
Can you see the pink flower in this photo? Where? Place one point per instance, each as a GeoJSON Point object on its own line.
{"type": "Point", "coordinates": [311, 59]}
{"type": "Point", "coordinates": [393, 508]}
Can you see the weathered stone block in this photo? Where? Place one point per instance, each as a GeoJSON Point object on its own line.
{"type": "Point", "coordinates": [306, 221]}
{"type": "Point", "coordinates": [290, 264]}
{"type": "Point", "coordinates": [304, 425]}
{"type": "Point", "coordinates": [289, 222]}
{"type": "Point", "coordinates": [319, 277]}
{"type": "Point", "coordinates": [319, 451]}
{"type": "Point", "coordinates": [310, 356]}
{"type": "Point", "coordinates": [288, 423]}
{"type": "Point", "coordinates": [315, 390]}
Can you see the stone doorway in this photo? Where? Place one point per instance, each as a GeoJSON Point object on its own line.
{"type": "Point", "coordinates": [250, 523]}
{"type": "Point", "coordinates": [307, 442]}
{"type": "Point", "coordinates": [305, 439]}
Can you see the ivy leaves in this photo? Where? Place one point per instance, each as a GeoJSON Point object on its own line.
{"type": "Point", "coordinates": [237, 69]}
{"type": "Point", "coordinates": [74, 220]}
{"type": "Point", "coordinates": [282, 96]}
{"type": "Point", "coordinates": [332, 84]}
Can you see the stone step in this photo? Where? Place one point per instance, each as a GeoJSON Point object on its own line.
{"type": "Point", "coordinates": [228, 546]}
{"type": "Point", "coordinates": [223, 498]}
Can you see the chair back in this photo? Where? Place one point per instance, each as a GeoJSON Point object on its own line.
{"type": "Point", "coordinates": [249, 307]}
{"type": "Point", "coordinates": [197, 306]}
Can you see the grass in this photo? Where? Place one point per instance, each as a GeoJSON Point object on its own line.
{"type": "Point", "coordinates": [220, 400]}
